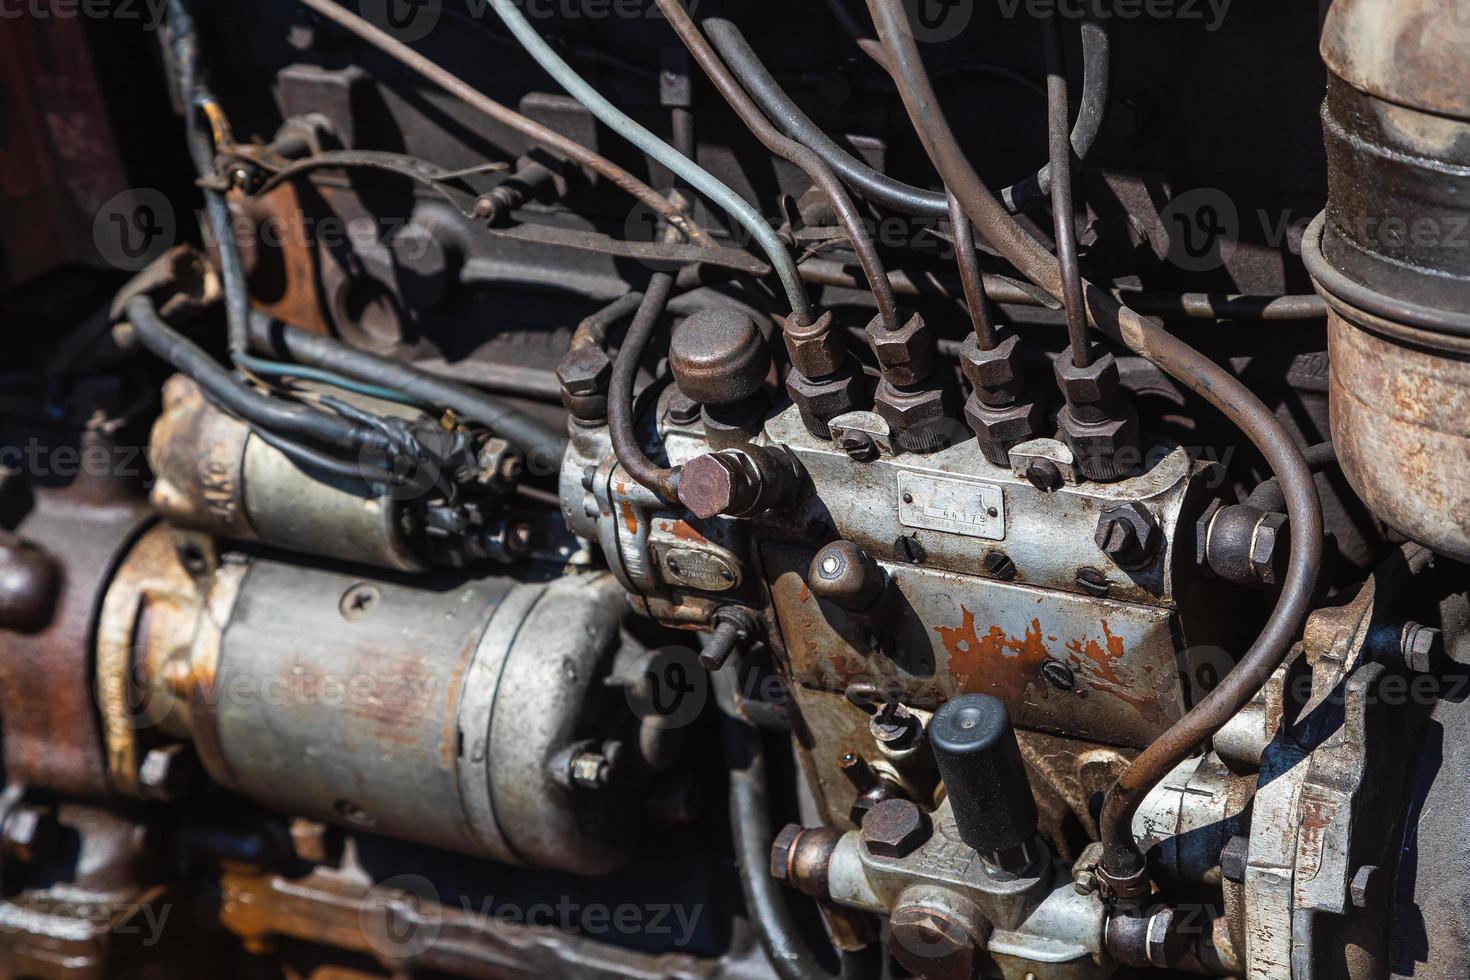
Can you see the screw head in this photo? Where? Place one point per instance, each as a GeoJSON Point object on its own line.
{"type": "Point", "coordinates": [999, 564]}
{"type": "Point", "coordinates": [859, 446]}
{"type": "Point", "coordinates": [1044, 475]}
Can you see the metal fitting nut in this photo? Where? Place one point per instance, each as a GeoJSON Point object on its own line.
{"type": "Point", "coordinates": [1270, 544]}
{"type": "Point", "coordinates": [904, 355]}
{"type": "Point", "coordinates": [585, 371]}
{"type": "Point", "coordinates": [918, 418]}
{"type": "Point", "coordinates": [1106, 450]}
{"type": "Point", "coordinates": [821, 401]}
{"type": "Point", "coordinates": [998, 429]}
{"type": "Point", "coordinates": [894, 829]}
{"type": "Point", "coordinates": [1092, 391]}
{"type": "Point", "coordinates": [816, 349]}
{"type": "Point", "coordinates": [1128, 534]}
{"type": "Point", "coordinates": [995, 373]}
{"type": "Point", "coordinates": [800, 857]}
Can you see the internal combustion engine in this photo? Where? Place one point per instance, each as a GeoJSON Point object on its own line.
{"type": "Point", "coordinates": [663, 489]}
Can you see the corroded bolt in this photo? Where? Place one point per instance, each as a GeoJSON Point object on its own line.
{"type": "Point", "coordinates": [1127, 534]}
{"type": "Point", "coordinates": [1421, 647]}
{"type": "Point", "coordinates": [894, 829]}
{"type": "Point", "coordinates": [931, 942]}
{"type": "Point", "coordinates": [800, 857]}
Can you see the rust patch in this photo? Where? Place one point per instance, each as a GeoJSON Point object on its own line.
{"type": "Point", "coordinates": [995, 661]}
{"type": "Point", "coordinates": [684, 532]}
{"type": "Point", "coordinates": [630, 517]}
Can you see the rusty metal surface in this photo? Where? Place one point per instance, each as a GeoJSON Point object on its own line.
{"type": "Point", "coordinates": [1401, 425]}
{"type": "Point", "coordinates": [957, 634]}
{"type": "Point", "coordinates": [52, 733]}
{"type": "Point", "coordinates": [1412, 52]}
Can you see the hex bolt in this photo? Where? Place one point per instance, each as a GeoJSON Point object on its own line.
{"type": "Point", "coordinates": [894, 829]}
{"type": "Point", "coordinates": [1127, 534]}
{"type": "Point", "coordinates": [1234, 857]}
{"type": "Point", "coordinates": [800, 857]}
{"type": "Point", "coordinates": [1422, 647]}
{"type": "Point", "coordinates": [1365, 886]}
{"type": "Point", "coordinates": [932, 942]}
{"type": "Point", "coordinates": [29, 584]}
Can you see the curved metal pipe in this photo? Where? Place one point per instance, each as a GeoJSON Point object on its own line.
{"type": "Point", "coordinates": [812, 164]}
{"type": "Point", "coordinates": [1123, 865]}
{"type": "Point", "coordinates": [982, 311]}
{"type": "Point", "coordinates": [880, 188]}
{"type": "Point", "coordinates": [696, 176]}
{"type": "Point", "coordinates": [662, 480]}
{"type": "Point", "coordinates": [1064, 220]}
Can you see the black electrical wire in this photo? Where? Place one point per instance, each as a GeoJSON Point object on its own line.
{"type": "Point", "coordinates": [1123, 867]}
{"type": "Point", "coordinates": [661, 480]}
{"type": "Point", "coordinates": [289, 420]}
{"type": "Point", "coordinates": [1063, 218]}
{"type": "Point", "coordinates": [194, 95]}
{"type": "Point", "coordinates": [538, 441]}
{"type": "Point", "coordinates": [880, 188]}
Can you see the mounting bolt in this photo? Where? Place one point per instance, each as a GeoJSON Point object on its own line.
{"type": "Point", "coordinates": [1365, 885]}
{"type": "Point", "coordinates": [859, 446]}
{"type": "Point", "coordinates": [999, 564]}
{"type": "Point", "coordinates": [894, 829]}
{"type": "Point", "coordinates": [1422, 647]}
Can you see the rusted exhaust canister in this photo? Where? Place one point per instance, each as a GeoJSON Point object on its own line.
{"type": "Point", "coordinates": [1391, 256]}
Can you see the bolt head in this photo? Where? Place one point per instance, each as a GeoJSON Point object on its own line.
{"type": "Point", "coordinates": [711, 484]}
{"type": "Point", "coordinates": [1423, 647]}
{"type": "Point", "coordinates": [1366, 885]}
{"type": "Point", "coordinates": [1269, 548]}
{"type": "Point", "coordinates": [585, 371]}
{"type": "Point", "coordinates": [932, 943]}
{"type": "Point", "coordinates": [996, 372]}
{"type": "Point", "coordinates": [894, 829]}
{"type": "Point", "coordinates": [1127, 534]}
{"type": "Point", "coordinates": [822, 400]}
{"type": "Point", "coordinates": [918, 418]}
{"type": "Point", "coordinates": [998, 429]}
{"type": "Point", "coordinates": [1095, 385]}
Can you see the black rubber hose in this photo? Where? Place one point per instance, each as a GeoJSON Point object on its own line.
{"type": "Point", "coordinates": [880, 188]}
{"type": "Point", "coordinates": [1268, 496]}
{"type": "Point", "coordinates": [661, 480]}
{"type": "Point", "coordinates": [750, 822]}
{"type": "Point", "coordinates": [193, 95]}
{"type": "Point", "coordinates": [540, 443]}
{"type": "Point", "coordinates": [1064, 220]}
{"type": "Point", "coordinates": [288, 419]}
{"type": "Point", "coordinates": [1123, 866]}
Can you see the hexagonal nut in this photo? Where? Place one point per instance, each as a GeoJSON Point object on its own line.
{"type": "Point", "coordinates": [998, 429]}
{"type": "Point", "coordinates": [1270, 548]}
{"type": "Point", "coordinates": [1128, 534]}
{"type": "Point", "coordinates": [30, 834]}
{"type": "Point", "coordinates": [585, 371]}
{"type": "Point", "coordinates": [1096, 385]}
{"type": "Point", "coordinates": [822, 401]}
{"type": "Point", "coordinates": [933, 943]}
{"type": "Point", "coordinates": [894, 829]}
{"type": "Point", "coordinates": [817, 349]}
{"type": "Point", "coordinates": [995, 373]}
{"type": "Point", "coordinates": [905, 354]}
{"type": "Point", "coordinates": [919, 418]}
{"type": "Point", "coordinates": [1102, 451]}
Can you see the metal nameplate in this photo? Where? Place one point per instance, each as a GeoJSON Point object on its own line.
{"type": "Point", "coordinates": [977, 510]}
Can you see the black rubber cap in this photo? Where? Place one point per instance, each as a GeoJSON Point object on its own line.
{"type": "Point", "coordinates": [984, 777]}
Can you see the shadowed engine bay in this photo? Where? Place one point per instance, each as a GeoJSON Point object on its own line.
{"type": "Point", "coordinates": [556, 488]}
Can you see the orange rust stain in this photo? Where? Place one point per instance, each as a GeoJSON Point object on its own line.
{"type": "Point", "coordinates": [682, 531]}
{"type": "Point", "coordinates": [1102, 666]}
{"type": "Point", "coordinates": [804, 594]}
{"type": "Point", "coordinates": [630, 517]}
{"type": "Point", "coordinates": [994, 661]}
